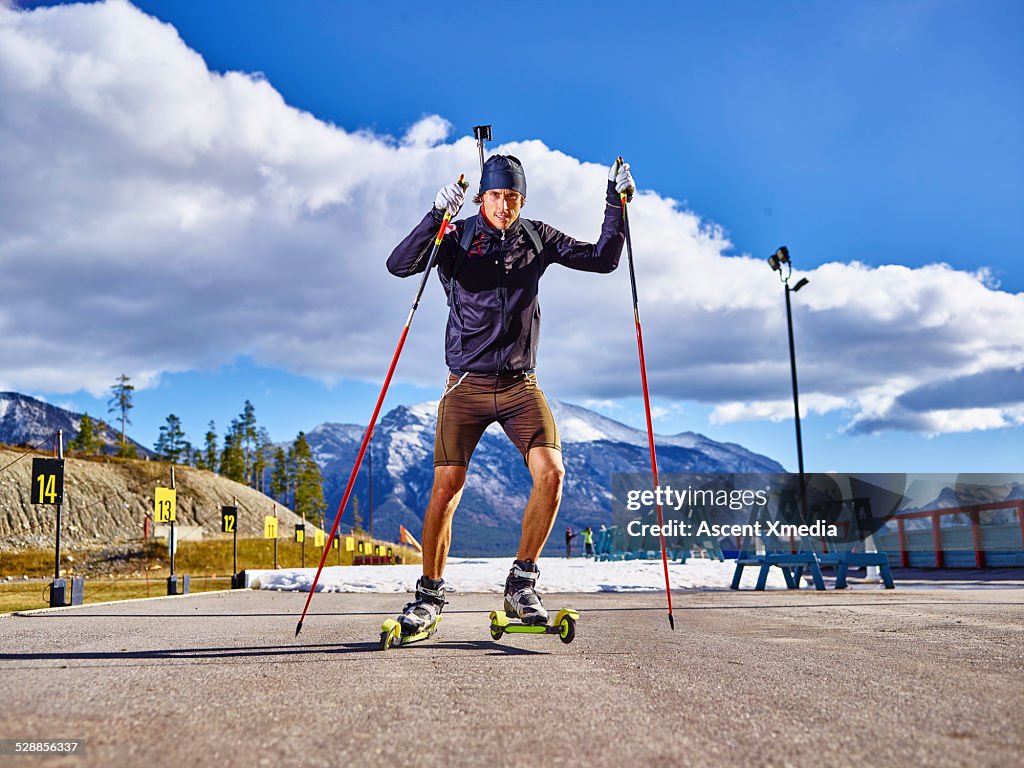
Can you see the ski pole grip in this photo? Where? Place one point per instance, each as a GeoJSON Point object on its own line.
{"type": "Point", "coordinates": [622, 195]}
{"type": "Point", "coordinates": [448, 214]}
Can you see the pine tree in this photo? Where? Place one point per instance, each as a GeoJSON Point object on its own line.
{"type": "Point", "coordinates": [209, 455]}
{"type": "Point", "coordinates": [292, 465]}
{"type": "Point", "coordinates": [248, 431]}
{"type": "Point", "coordinates": [86, 442]}
{"type": "Point", "coordinates": [279, 480]}
{"type": "Point", "coordinates": [263, 455]}
{"type": "Point", "coordinates": [121, 402]}
{"type": "Point", "coordinates": [232, 458]}
{"type": "Point", "coordinates": [171, 444]}
{"type": "Point", "coordinates": [357, 519]}
{"type": "Point", "coordinates": [309, 492]}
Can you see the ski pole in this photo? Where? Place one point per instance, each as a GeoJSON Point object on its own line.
{"type": "Point", "coordinates": [376, 411]}
{"type": "Point", "coordinates": [647, 403]}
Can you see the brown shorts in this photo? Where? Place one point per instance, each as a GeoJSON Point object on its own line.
{"type": "Point", "coordinates": [472, 402]}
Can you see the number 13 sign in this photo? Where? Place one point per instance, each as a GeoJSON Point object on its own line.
{"type": "Point", "coordinates": [163, 505]}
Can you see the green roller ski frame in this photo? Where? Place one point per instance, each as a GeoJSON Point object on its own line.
{"type": "Point", "coordinates": [391, 634]}
{"type": "Point", "coordinates": [564, 626]}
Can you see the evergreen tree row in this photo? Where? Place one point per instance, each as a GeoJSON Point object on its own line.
{"type": "Point", "coordinates": [246, 455]}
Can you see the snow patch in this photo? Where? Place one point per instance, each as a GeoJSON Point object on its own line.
{"type": "Point", "coordinates": [488, 575]}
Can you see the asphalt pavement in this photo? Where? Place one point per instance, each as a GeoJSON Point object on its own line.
{"type": "Point", "coordinates": [924, 676]}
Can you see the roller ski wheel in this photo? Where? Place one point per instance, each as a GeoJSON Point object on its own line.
{"type": "Point", "coordinates": [391, 634]}
{"type": "Point", "coordinates": [564, 626]}
{"type": "Point", "coordinates": [567, 627]}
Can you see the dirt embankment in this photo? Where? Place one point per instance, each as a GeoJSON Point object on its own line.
{"type": "Point", "coordinates": [107, 500]}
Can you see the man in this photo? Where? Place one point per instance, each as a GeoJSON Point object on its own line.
{"type": "Point", "coordinates": [490, 266]}
{"type": "Point", "coordinates": [569, 536]}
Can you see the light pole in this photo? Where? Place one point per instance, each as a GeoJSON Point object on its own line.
{"type": "Point", "coordinates": [779, 261]}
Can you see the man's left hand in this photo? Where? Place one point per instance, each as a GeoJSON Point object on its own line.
{"type": "Point", "coordinates": [619, 173]}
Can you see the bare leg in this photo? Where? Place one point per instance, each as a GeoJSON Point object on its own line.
{"type": "Point", "coordinates": [547, 470]}
{"type": "Point", "coordinates": [437, 520]}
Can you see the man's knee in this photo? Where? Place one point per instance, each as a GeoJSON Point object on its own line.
{"type": "Point", "coordinates": [547, 470]}
{"type": "Point", "coordinates": [553, 476]}
{"type": "Point", "coordinates": [448, 484]}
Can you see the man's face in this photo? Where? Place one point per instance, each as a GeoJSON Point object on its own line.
{"type": "Point", "coordinates": [501, 206]}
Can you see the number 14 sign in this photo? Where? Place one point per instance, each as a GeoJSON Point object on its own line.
{"type": "Point", "coordinates": [47, 481]}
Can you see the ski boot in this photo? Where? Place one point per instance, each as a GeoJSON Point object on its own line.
{"type": "Point", "coordinates": [419, 618]}
{"type": "Point", "coordinates": [522, 602]}
{"type": "Point", "coordinates": [521, 598]}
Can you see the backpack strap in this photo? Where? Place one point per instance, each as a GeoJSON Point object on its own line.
{"type": "Point", "coordinates": [469, 232]}
{"type": "Point", "coordinates": [532, 235]}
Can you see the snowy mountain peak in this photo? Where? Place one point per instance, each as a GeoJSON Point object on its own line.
{"type": "Point", "coordinates": [26, 420]}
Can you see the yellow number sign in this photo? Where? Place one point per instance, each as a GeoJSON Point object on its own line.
{"type": "Point", "coordinates": [164, 505]}
{"type": "Point", "coordinates": [350, 544]}
{"type": "Point", "coordinates": [318, 538]}
{"type": "Point", "coordinates": [269, 527]}
{"type": "Point", "coordinates": [229, 519]}
{"type": "Point", "coordinates": [47, 481]}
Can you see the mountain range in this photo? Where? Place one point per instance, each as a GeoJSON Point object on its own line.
{"type": "Point", "coordinates": [594, 447]}
{"type": "Point", "coordinates": [26, 421]}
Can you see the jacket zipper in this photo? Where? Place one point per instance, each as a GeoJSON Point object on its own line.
{"type": "Point", "coordinates": [501, 299]}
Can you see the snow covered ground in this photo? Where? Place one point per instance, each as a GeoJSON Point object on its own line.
{"type": "Point", "coordinates": [488, 575]}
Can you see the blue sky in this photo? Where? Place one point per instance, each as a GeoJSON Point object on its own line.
{"type": "Point", "coordinates": [887, 134]}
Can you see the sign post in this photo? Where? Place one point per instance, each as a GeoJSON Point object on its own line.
{"type": "Point", "coordinates": [48, 488]}
{"type": "Point", "coordinates": [300, 536]}
{"type": "Point", "coordinates": [165, 511]}
{"type": "Point", "coordinates": [229, 524]}
{"type": "Point", "coordinates": [270, 531]}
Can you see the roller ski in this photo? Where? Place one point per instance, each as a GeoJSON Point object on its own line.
{"type": "Point", "coordinates": [564, 626]}
{"type": "Point", "coordinates": [419, 619]}
{"type": "Point", "coordinates": [524, 612]}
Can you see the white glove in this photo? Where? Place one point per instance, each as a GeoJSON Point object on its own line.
{"type": "Point", "coordinates": [619, 173]}
{"type": "Point", "coordinates": [450, 198]}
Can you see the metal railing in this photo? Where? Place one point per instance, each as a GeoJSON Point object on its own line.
{"type": "Point", "coordinates": [951, 543]}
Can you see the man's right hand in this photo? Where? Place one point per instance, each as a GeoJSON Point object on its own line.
{"type": "Point", "coordinates": [450, 198]}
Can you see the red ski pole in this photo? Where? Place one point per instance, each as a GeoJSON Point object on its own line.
{"type": "Point", "coordinates": [376, 411]}
{"type": "Point", "coordinates": [647, 403]}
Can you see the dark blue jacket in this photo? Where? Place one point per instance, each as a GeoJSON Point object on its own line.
{"type": "Point", "coordinates": [493, 307]}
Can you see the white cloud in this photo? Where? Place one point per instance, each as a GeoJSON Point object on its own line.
{"type": "Point", "coordinates": [157, 217]}
{"type": "Point", "coordinates": [428, 132]}
{"type": "Point", "coordinates": [602, 405]}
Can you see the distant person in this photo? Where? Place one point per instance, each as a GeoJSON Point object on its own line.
{"type": "Point", "coordinates": [490, 266]}
{"type": "Point", "coordinates": [569, 536]}
{"type": "Point", "coordinates": [588, 542]}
